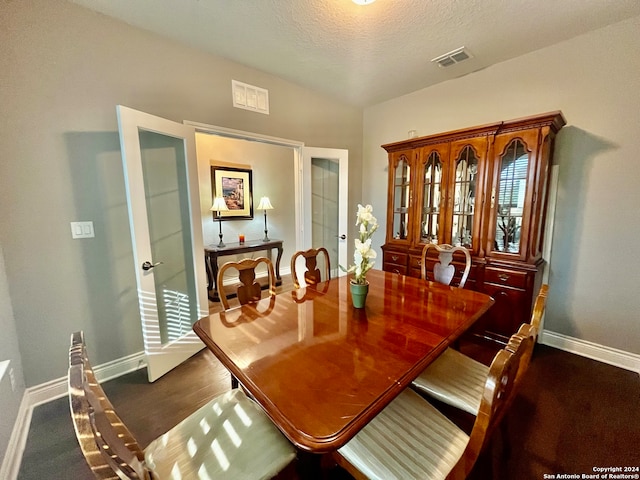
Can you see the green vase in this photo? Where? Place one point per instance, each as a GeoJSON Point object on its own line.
{"type": "Point", "coordinates": [359, 294]}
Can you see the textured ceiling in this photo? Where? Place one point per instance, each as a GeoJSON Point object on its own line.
{"type": "Point", "coordinates": [366, 54]}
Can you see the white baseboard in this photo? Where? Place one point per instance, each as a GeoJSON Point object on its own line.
{"type": "Point", "coordinates": [47, 392]}
{"type": "Point", "coordinates": [13, 456]}
{"type": "Point", "coordinates": [594, 351]}
{"type": "Point", "coordinates": [54, 389]}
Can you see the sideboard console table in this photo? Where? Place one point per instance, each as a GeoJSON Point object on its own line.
{"type": "Point", "coordinates": [213, 252]}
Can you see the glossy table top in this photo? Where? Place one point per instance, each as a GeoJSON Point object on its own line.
{"type": "Point", "coordinates": [322, 369]}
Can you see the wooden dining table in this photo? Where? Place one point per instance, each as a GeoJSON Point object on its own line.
{"type": "Point", "coordinates": [322, 369]}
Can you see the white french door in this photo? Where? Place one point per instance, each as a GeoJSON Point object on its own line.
{"type": "Point", "coordinates": [161, 177]}
{"type": "Point", "coordinates": [326, 199]}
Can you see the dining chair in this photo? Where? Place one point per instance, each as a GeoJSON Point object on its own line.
{"type": "Point", "coordinates": [444, 270]}
{"type": "Point", "coordinates": [411, 439]}
{"type": "Point", "coordinates": [458, 380]}
{"type": "Point", "coordinates": [228, 438]}
{"type": "Point", "coordinates": [538, 308]}
{"type": "Point", "coordinates": [248, 290]}
{"type": "Point", "coordinates": [312, 274]}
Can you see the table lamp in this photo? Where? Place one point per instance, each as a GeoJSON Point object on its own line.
{"type": "Point", "coordinates": [219, 205]}
{"type": "Point", "coordinates": [265, 204]}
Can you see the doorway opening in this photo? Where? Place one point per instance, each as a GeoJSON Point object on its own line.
{"type": "Point", "coordinates": [312, 189]}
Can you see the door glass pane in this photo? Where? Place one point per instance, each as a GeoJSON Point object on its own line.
{"type": "Point", "coordinates": [464, 197]}
{"type": "Point", "coordinates": [166, 192]}
{"type": "Point", "coordinates": [512, 184]}
{"type": "Point", "coordinates": [401, 199]}
{"type": "Point", "coordinates": [325, 176]}
{"type": "Point", "coordinates": [432, 183]}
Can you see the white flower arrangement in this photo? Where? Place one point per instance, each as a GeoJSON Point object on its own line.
{"type": "Point", "coordinates": [363, 255]}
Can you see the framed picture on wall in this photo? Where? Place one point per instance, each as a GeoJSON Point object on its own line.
{"type": "Point", "coordinates": [235, 185]}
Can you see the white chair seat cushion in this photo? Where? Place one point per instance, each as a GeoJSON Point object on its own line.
{"type": "Point", "coordinates": [455, 379]}
{"type": "Point", "coordinates": [409, 439]}
{"type": "Point", "coordinates": [228, 438]}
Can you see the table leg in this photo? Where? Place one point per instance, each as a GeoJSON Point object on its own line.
{"type": "Point", "coordinates": [278, 258]}
{"type": "Point", "coordinates": [213, 261]}
{"type": "Point", "coordinates": [309, 466]}
{"type": "Point", "coordinates": [209, 275]}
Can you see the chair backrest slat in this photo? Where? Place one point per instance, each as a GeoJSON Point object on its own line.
{"type": "Point", "coordinates": [538, 308]}
{"type": "Point", "coordinates": [505, 377]}
{"type": "Point", "coordinates": [501, 385]}
{"type": "Point", "coordinates": [444, 270]}
{"type": "Point", "coordinates": [107, 444]}
{"type": "Point", "coordinates": [249, 290]}
{"type": "Point", "coordinates": [529, 332]}
{"type": "Point", "coordinates": [312, 275]}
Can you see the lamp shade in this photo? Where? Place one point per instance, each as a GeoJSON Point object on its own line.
{"type": "Point", "coordinates": [265, 204]}
{"type": "Point", "coordinates": [219, 205]}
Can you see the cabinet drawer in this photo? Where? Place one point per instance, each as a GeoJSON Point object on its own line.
{"type": "Point", "coordinates": [415, 272]}
{"type": "Point", "coordinates": [501, 276]}
{"type": "Point", "coordinates": [396, 258]}
{"type": "Point", "coordinates": [415, 261]}
{"type": "Point", "coordinates": [393, 268]}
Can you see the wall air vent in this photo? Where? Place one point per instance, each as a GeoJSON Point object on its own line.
{"type": "Point", "coordinates": [248, 97]}
{"type": "Point", "coordinates": [455, 56]}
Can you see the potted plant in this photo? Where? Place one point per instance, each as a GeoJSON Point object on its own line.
{"type": "Point", "coordinates": [363, 255]}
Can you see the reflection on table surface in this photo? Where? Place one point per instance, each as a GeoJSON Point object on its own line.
{"type": "Point", "coordinates": [321, 368]}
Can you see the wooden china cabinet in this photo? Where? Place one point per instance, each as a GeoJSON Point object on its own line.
{"type": "Point", "coordinates": [484, 188]}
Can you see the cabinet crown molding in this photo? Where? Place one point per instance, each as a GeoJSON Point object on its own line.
{"type": "Point", "coordinates": [554, 120]}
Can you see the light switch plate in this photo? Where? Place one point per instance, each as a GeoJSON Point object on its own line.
{"type": "Point", "coordinates": [82, 230]}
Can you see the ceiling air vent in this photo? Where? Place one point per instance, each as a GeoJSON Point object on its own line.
{"type": "Point", "coordinates": [455, 56]}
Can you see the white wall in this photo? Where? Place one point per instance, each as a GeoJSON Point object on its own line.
{"type": "Point", "coordinates": [273, 176]}
{"type": "Point", "coordinates": [9, 399]}
{"type": "Point", "coordinates": [65, 69]}
{"type": "Point", "coordinates": [595, 80]}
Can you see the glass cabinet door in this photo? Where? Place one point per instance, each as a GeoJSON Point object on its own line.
{"type": "Point", "coordinates": [511, 194]}
{"type": "Point", "coordinates": [431, 195]}
{"type": "Point", "coordinates": [464, 197]}
{"type": "Point", "coordinates": [464, 181]}
{"type": "Point", "coordinates": [466, 174]}
{"type": "Point", "coordinates": [401, 197]}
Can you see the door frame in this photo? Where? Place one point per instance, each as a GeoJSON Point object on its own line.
{"type": "Point", "coordinates": [303, 237]}
{"type": "Point", "coordinates": [302, 178]}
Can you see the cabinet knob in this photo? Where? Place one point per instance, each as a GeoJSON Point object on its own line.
{"type": "Point", "coordinates": [503, 276]}
{"type": "Point", "coordinates": [394, 258]}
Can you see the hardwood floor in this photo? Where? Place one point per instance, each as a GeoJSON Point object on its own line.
{"type": "Point", "coordinates": [571, 415]}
